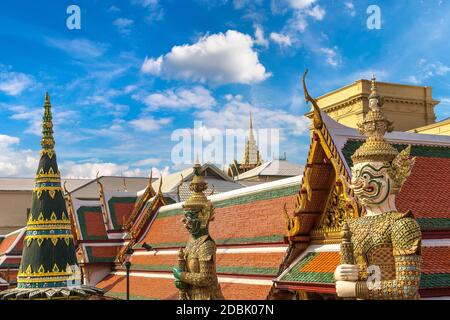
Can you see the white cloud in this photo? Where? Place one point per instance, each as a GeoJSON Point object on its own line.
{"type": "Point", "coordinates": [180, 98]}
{"type": "Point", "coordinates": [413, 79]}
{"type": "Point", "coordinates": [113, 9]}
{"type": "Point", "coordinates": [259, 37]}
{"type": "Point", "coordinates": [79, 48]}
{"type": "Point", "coordinates": [147, 162]}
{"type": "Point", "coordinates": [88, 170]}
{"type": "Point", "coordinates": [155, 11]}
{"type": "Point", "coordinates": [123, 25]}
{"type": "Point", "coordinates": [14, 161]}
{"type": "Point", "coordinates": [427, 70]}
{"type": "Point", "coordinates": [235, 115]}
{"type": "Point", "coordinates": [103, 102]}
{"type": "Point", "coordinates": [281, 39]}
{"type": "Point", "coordinates": [149, 124]}
{"type": "Point", "coordinates": [332, 57]}
{"type": "Point", "coordinates": [301, 12]}
{"type": "Point", "coordinates": [316, 12]}
{"type": "Point", "coordinates": [218, 58]}
{"type": "Point", "coordinates": [300, 4]}
{"type": "Point", "coordinates": [14, 83]}
{"type": "Point", "coordinates": [152, 66]}
{"type": "Point", "coordinates": [8, 141]}
{"type": "Point", "coordinates": [33, 116]}
{"type": "Point", "coordinates": [350, 8]}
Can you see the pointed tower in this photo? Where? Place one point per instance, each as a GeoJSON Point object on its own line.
{"type": "Point", "coordinates": [48, 269]}
{"type": "Point", "coordinates": [251, 158]}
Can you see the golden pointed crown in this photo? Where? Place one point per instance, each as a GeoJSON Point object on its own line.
{"type": "Point", "coordinates": [197, 199]}
{"type": "Point", "coordinates": [374, 127]}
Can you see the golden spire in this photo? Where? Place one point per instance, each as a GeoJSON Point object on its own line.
{"type": "Point", "coordinates": [374, 127]}
{"type": "Point", "coordinates": [47, 140]}
{"type": "Point", "coordinates": [251, 153]}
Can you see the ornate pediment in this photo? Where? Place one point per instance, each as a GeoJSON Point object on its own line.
{"type": "Point", "coordinates": [339, 208]}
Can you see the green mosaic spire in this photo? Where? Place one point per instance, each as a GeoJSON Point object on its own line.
{"type": "Point", "coordinates": [48, 268]}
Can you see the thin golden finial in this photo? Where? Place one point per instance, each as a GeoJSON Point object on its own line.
{"type": "Point", "coordinates": [64, 187]}
{"type": "Point", "coordinates": [160, 184]}
{"type": "Point", "coordinates": [124, 184]}
{"type": "Point", "coordinates": [150, 179]}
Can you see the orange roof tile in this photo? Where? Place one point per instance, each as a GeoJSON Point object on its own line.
{"type": "Point", "coordinates": [436, 260]}
{"type": "Point", "coordinates": [7, 242]}
{"type": "Point", "coordinates": [427, 190]}
{"type": "Point", "coordinates": [243, 223]}
{"type": "Point", "coordinates": [154, 288]}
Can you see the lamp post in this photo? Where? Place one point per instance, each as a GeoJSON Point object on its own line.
{"type": "Point", "coordinates": [128, 254]}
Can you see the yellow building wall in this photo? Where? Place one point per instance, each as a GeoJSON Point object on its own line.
{"type": "Point", "coordinates": [409, 107]}
{"type": "Point", "coordinates": [13, 210]}
{"type": "Point", "coordinates": [439, 128]}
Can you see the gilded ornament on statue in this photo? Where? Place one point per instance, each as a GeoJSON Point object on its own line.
{"type": "Point", "coordinates": [195, 275]}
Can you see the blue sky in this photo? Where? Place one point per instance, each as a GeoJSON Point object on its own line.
{"type": "Point", "coordinates": [139, 69]}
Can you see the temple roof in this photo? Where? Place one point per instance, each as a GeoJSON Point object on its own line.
{"type": "Point", "coordinates": [249, 232]}
{"type": "Point", "coordinates": [176, 185]}
{"type": "Point", "coordinates": [273, 168]}
{"type": "Point", "coordinates": [27, 184]}
{"type": "Point", "coordinates": [89, 190]}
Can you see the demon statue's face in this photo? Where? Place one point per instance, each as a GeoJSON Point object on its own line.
{"type": "Point", "coordinates": [192, 222]}
{"type": "Point", "coordinates": [372, 182]}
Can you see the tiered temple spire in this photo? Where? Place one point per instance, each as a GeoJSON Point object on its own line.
{"type": "Point", "coordinates": [48, 269]}
{"type": "Point", "coordinates": [251, 156]}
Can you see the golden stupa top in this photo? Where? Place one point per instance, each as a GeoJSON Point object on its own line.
{"type": "Point", "coordinates": [374, 127]}
{"type": "Point", "coordinates": [47, 140]}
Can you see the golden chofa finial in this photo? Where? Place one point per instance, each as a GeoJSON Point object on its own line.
{"type": "Point", "coordinates": [317, 117]}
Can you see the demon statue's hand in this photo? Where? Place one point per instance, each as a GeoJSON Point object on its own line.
{"type": "Point", "coordinates": [178, 283]}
